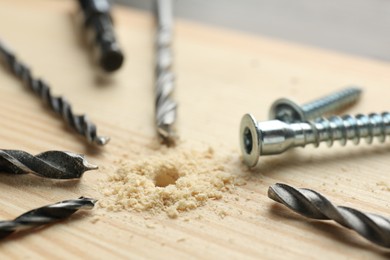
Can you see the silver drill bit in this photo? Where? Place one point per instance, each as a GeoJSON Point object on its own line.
{"type": "Point", "coordinates": [275, 137]}
{"type": "Point", "coordinates": [45, 215]}
{"type": "Point", "coordinates": [288, 111]}
{"type": "Point", "coordinates": [311, 204]}
{"type": "Point", "coordinates": [59, 105]}
{"type": "Point", "coordinates": [165, 105]}
{"type": "Point", "coordinates": [50, 164]}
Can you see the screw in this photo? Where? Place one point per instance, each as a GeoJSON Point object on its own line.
{"type": "Point", "coordinates": [275, 136]}
{"type": "Point", "coordinates": [288, 111]}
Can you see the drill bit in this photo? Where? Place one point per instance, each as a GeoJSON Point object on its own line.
{"type": "Point", "coordinates": [97, 20]}
{"type": "Point", "coordinates": [166, 106]}
{"type": "Point", "coordinates": [313, 205]}
{"type": "Point", "coordinates": [50, 164]}
{"type": "Point", "coordinates": [45, 215]}
{"type": "Point", "coordinates": [59, 105]}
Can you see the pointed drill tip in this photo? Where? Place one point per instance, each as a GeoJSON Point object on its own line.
{"type": "Point", "coordinates": [273, 191]}
{"type": "Point", "coordinates": [169, 140]}
{"type": "Point", "coordinates": [89, 200]}
{"type": "Point", "coordinates": [89, 166]}
{"type": "Point", "coordinates": [102, 140]}
{"type": "Point", "coordinates": [167, 135]}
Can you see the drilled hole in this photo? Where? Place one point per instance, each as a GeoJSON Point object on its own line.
{"type": "Point", "coordinates": [166, 176]}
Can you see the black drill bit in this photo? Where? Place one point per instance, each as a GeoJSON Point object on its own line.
{"type": "Point", "coordinates": [165, 105]}
{"type": "Point", "coordinates": [45, 215]}
{"type": "Point", "coordinates": [98, 21]}
{"type": "Point", "coordinates": [50, 164]}
{"type": "Point", "coordinates": [59, 105]}
{"type": "Point", "coordinates": [313, 205]}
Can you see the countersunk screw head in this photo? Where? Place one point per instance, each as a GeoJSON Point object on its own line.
{"type": "Point", "coordinates": [250, 140]}
{"type": "Point", "coordinates": [287, 111]}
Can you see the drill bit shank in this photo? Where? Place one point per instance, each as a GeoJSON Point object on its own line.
{"type": "Point", "coordinates": [59, 105]}
{"type": "Point", "coordinates": [45, 215]}
{"type": "Point", "coordinates": [313, 205]}
{"type": "Point", "coordinates": [166, 106]}
{"type": "Point", "coordinates": [50, 164]}
{"type": "Point", "coordinates": [98, 22]}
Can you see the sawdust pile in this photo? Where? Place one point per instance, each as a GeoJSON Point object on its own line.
{"type": "Point", "coordinates": [171, 181]}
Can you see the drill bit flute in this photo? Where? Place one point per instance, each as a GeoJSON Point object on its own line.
{"type": "Point", "coordinates": [313, 205]}
{"type": "Point", "coordinates": [51, 164]}
{"type": "Point", "coordinates": [165, 105]}
{"type": "Point", "coordinates": [59, 105]}
{"type": "Point", "coordinates": [45, 215]}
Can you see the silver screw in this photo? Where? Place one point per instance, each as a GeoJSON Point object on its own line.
{"type": "Point", "coordinates": [275, 136]}
{"type": "Point", "coordinates": [288, 111]}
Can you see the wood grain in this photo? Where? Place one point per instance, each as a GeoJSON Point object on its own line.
{"type": "Point", "coordinates": [221, 75]}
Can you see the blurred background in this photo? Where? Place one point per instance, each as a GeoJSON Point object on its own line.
{"type": "Point", "coordinates": [359, 27]}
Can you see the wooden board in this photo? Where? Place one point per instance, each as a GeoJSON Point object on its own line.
{"type": "Point", "coordinates": [221, 75]}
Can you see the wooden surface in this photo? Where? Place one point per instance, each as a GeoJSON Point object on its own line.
{"type": "Point", "coordinates": [221, 76]}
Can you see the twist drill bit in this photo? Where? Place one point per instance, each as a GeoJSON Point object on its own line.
{"type": "Point", "coordinates": [45, 215]}
{"type": "Point", "coordinates": [313, 205]}
{"type": "Point", "coordinates": [59, 105]}
{"type": "Point", "coordinates": [98, 22]}
{"type": "Point", "coordinates": [166, 107]}
{"type": "Point", "coordinates": [50, 164]}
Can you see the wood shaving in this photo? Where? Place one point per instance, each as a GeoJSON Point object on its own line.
{"type": "Point", "coordinates": [171, 181]}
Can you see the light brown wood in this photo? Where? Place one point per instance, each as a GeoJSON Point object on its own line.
{"type": "Point", "coordinates": [221, 75]}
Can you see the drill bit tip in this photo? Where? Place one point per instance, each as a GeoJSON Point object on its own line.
{"type": "Point", "coordinates": [102, 140]}
{"type": "Point", "coordinates": [50, 164]}
{"type": "Point", "coordinates": [58, 104]}
{"type": "Point", "coordinates": [45, 215]}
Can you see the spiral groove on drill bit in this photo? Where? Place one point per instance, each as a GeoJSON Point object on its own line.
{"type": "Point", "coordinates": [50, 164]}
{"type": "Point", "coordinates": [313, 205]}
{"type": "Point", "coordinates": [165, 105]}
{"type": "Point", "coordinates": [45, 215]}
{"type": "Point", "coordinates": [331, 103]}
{"type": "Point", "coordinates": [59, 105]}
{"type": "Point", "coordinates": [351, 128]}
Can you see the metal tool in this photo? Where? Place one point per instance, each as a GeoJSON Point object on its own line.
{"type": "Point", "coordinates": [275, 137]}
{"type": "Point", "coordinates": [313, 205]}
{"type": "Point", "coordinates": [45, 215]}
{"type": "Point", "coordinates": [98, 22]}
{"type": "Point", "coordinates": [50, 164]}
{"type": "Point", "coordinates": [288, 111]}
{"type": "Point", "coordinates": [59, 105]}
{"type": "Point", "coordinates": [166, 106]}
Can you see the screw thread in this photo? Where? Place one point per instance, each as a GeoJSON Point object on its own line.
{"type": "Point", "coordinates": [345, 128]}
{"type": "Point", "coordinates": [331, 103]}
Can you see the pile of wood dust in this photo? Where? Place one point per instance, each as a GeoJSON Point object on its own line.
{"type": "Point", "coordinates": [172, 181]}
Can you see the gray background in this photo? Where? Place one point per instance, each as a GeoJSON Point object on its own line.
{"type": "Point", "coordinates": [360, 27]}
